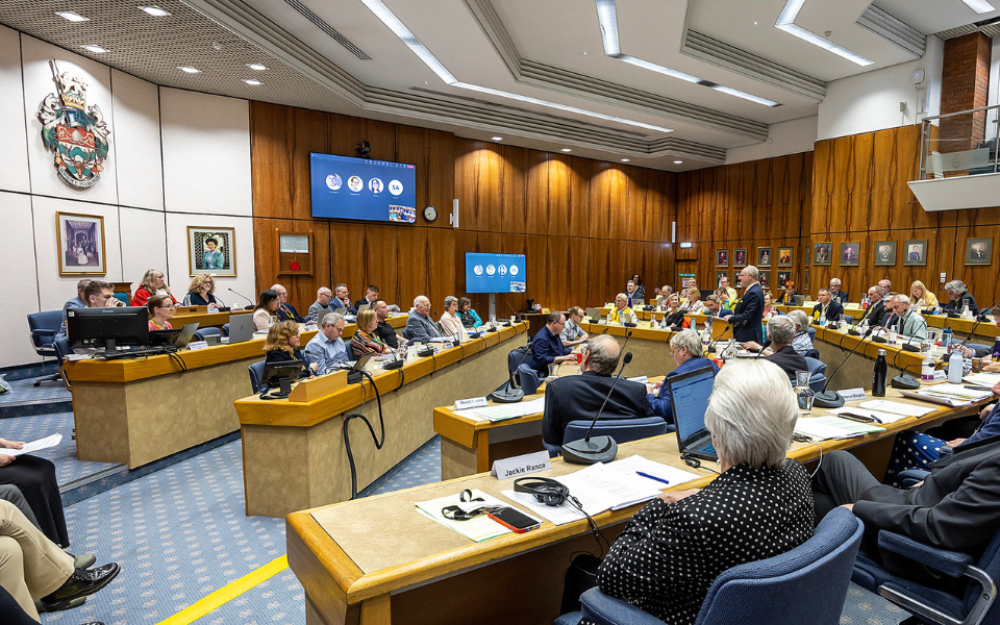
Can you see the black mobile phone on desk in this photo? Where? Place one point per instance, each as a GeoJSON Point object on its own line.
{"type": "Point", "coordinates": [514, 519]}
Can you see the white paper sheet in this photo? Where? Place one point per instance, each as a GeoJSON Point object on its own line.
{"type": "Point", "coordinates": [33, 446]}
{"type": "Point", "coordinates": [895, 407]}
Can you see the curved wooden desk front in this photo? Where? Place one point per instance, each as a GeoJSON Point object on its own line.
{"type": "Point", "coordinates": [294, 453]}
{"type": "Point", "coordinates": [135, 411]}
{"type": "Point", "coordinates": [376, 560]}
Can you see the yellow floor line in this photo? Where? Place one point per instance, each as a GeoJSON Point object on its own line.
{"type": "Point", "coordinates": [227, 593]}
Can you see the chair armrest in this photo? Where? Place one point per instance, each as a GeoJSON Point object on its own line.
{"type": "Point", "coordinates": [604, 610]}
{"type": "Point", "coordinates": [40, 334]}
{"type": "Point", "coordinates": [951, 563]}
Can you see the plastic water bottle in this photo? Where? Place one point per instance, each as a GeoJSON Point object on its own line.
{"type": "Point", "coordinates": [946, 340]}
{"type": "Point", "coordinates": [956, 366]}
{"type": "Point", "coordinates": [996, 350]}
{"type": "Point", "coordinates": [927, 369]}
{"type": "Point", "coordinates": [965, 312]}
{"type": "Point", "coordinates": [706, 335]}
{"type": "Point", "coordinates": [879, 375]}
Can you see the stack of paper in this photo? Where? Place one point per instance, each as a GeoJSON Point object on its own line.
{"type": "Point", "coordinates": [824, 428]}
{"type": "Point", "coordinates": [948, 394]}
{"type": "Point", "coordinates": [598, 488]}
{"type": "Point", "coordinates": [500, 412]}
{"type": "Point", "coordinates": [878, 415]}
{"type": "Point", "coordinates": [478, 528]}
{"type": "Point", "coordinates": [983, 378]}
{"type": "Point", "coordinates": [897, 408]}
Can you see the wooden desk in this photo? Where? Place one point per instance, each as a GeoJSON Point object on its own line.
{"type": "Point", "coordinates": [200, 315]}
{"type": "Point", "coordinates": [376, 560]}
{"type": "Point", "coordinates": [294, 453]}
{"type": "Point", "coordinates": [135, 411]}
{"type": "Point", "coordinates": [834, 345]}
{"type": "Point", "coordinates": [987, 330]}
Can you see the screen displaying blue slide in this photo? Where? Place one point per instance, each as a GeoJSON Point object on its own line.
{"type": "Point", "coordinates": [362, 188]}
{"type": "Point", "coordinates": [494, 273]}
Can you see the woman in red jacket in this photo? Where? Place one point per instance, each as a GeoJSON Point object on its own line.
{"type": "Point", "coordinates": [152, 284]}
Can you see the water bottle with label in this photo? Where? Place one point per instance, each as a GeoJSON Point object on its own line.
{"type": "Point", "coordinates": [927, 369]}
{"type": "Point", "coordinates": [956, 367]}
{"type": "Point", "coordinates": [706, 335]}
{"type": "Point", "coordinates": [946, 340]}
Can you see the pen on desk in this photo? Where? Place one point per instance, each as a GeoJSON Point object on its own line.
{"type": "Point", "coordinates": [652, 477]}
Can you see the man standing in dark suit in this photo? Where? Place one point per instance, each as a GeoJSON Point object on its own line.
{"type": "Point", "coordinates": [827, 308]}
{"type": "Point", "coordinates": [579, 397]}
{"type": "Point", "coordinates": [746, 318]}
{"type": "Point", "coordinates": [956, 507]}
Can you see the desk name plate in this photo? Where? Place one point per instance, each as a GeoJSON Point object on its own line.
{"type": "Point", "coordinates": [475, 402]}
{"type": "Point", "coordinates": [519, 466]}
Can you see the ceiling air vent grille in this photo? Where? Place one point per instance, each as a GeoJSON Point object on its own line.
{"type": "Point", "coordinates": [329, 30]}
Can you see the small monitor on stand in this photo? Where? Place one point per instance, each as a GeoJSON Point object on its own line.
{"type": "Point", "coordinates": [108, 328]}
{"type": "Point", "coordinates": [281, 373]}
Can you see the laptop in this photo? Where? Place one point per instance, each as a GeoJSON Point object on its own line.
{"type": "Point", "coordinates": [185, 336]}
{"type": "Point", "coordinates": [594, 314]}
{"type": "Point", "coordinates": [240, 328]}
{"type": "Point", "coordinates": [689, 393]}
{"type": "Point", "coordinates": [364, 307]}
{"type": "Point", "coordinates": [177, 338]}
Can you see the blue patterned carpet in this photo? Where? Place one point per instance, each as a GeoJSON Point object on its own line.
{"type": "Point", "coordinates": [68, 468]}
{"type": "Point", "coordinates": [24, 390]}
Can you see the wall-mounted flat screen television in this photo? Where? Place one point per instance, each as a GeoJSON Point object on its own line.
{"type": "Point", "coordinates": [362, 188]}
{"type": "Point", "coordinates": [494, 273]}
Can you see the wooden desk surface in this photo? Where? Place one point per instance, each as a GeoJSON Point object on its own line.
{"type": "Point", "coordinates": [184, 315]}
{"type": "Point", "coordinates": [339, 548]}
{"type": "Point", "coordinates": [255, 411]}
{"type": "Point", "coordinates": [131, 369]}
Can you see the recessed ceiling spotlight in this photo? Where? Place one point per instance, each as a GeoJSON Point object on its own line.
{"type": "Point", "coordinates": [624, 160]}
{"type": "Point", "coordinates": [755, 23]}
{"type": "Point", "coordinates": [566, 150]}
{"type": "Point", "coordinates": [94, 49]}
{"type": "Point", "coordinates": [498, 138]}
{"type": "Point", "coordinates": [256, 66]}
{"type": "Point", "coordinates": [252, 82]}
{"type": "Point", "coordinates": [678, 162]}
{"type": "Point", "coordinates": [72, 17]}
{"type": "Point", "coordinates": [155, 11]}
{"type": "Point", "coordinates": [189, 69]}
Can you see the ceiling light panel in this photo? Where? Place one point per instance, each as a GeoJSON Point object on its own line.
{"type": "Point", "coordinates": [155, 11]}
{"type": "Point", "coordinates": [980, 6]}
{"type": "Point", "coordinates": [94, 49]}
{"type": "Point", "coordinates": [72, 17]}
{"type": "Point", "coordinates": [388, 18]}
{"type": "Point", "coordinates": [608, 18]}
{"type": "Point", "coordinates": [786, 23]}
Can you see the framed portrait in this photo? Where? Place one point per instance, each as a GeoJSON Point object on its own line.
{"type": "Point", "coordinates": [885, 253]}
{"type": "Point", "coordinates": [805, 281]}
{"type": "Point", "coordinates": [916, 253]}
{"type": "Point", "coordinates": [785, 256]}
{"type": "Point", "coordinates": [822, 253]}
{"type": "Point", "coordinates": [81, 244]}
{"type": "Point", "coordinates": [740, 257]}
{"type": "Point", "coordinates": [849, 253]}
{"type": "Point", "coordinates": [721, 258]}
{"type": "Point", "coordinates": [783, 277]}
{"type": "Point", "coordinates": [764, 277]}
{"type": "Point", "coordinates": [763, 257]}
{"type": "Point", "coordinates": [719, 275]}
{"type": "Point", "coordinates": [211, 250]}
{"type": "Point", "coordinates": [978, 251]}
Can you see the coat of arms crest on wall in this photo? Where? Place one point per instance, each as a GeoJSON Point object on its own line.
{"type": "Point", "coordinates": [76, 134]}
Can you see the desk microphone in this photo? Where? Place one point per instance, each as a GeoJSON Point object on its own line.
{"type": "Point", "coordinates": [243, 296]}
{"type": "Point", "coordinates": [980, 317]}
{"type": "Point", "coordinates": [516, 314]}
{"type": "Point", "coordinates": [601, 448]}
{"type": "Point", "coordinates": [906, 382]}
{"type": "Point", "coordinates": [832, 399]}
{"type": "Point", "coordinates": [509, 393]}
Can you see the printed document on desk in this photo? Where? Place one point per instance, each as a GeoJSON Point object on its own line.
{"type": "Point", "coordinates": [633, 465]}
{"type": "Point", "coordinates": [948, 394]}
{"type": "Point", "coordinates": [983, 378]}
{"type": "Point", "coordinates": [824, 428]}
{"type": "Point", "coordinates": [880, 416]}
{"type": "Point", "coordinates": [478, 528]}
{"type": "Point", "coordinates": [501, 412]}
{"type": "Point", "coordinates": [895, 407]}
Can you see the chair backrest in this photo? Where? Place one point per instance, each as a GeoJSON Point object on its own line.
{"type": "Point", "coordinates": [815, 365]}
{"type": "Point", "coordinates": [50, 320]}
{"type": "Point", "coordinates": [201, 333]}
{"type": "Point", "coordinates": [256, 375]}
{"type": "Point", "coordinates": [804, 586]}
{"type": "Point", "coordinates": [812, 353]}
{"type": "Point", "coordinates": [514, 358]}
{"type": "Point", "coordinates": [812, 334]}
{"type": "Point", "coordinates": [848, 319]}
{"type": "Point", "coordinates": [622, 430]}
{"type": "Point", "coordinates": [990, 563]}
{"type": "Point", "coordinates": [225, 329]}
{"type": "Point", "coordinates": [61, 345]}
{"type": "Point", "coordinates": [817, 382]}
{"type": "Point", "coordinates": [529, 379]}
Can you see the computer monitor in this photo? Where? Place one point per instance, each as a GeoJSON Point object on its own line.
{"type": "Point", "coordinates": [689, 393]}
{"type": "Point", "coordinates": [282, 373]}
{"type": "Point", "coordinates": [107, 328]}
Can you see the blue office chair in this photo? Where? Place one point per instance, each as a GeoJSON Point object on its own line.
{"type": "Point", "coordinates": [257, 376]}
{"type": "Point", "coordinates": [908, 478]}
{"type": "Point", "coordinates": [44, 326]}
{"type": "Point", "coordinates": [805, 586]}
{"type": "Point", "coordinates": [622, 430]}
{"type": "Point", "coordinates": [812, 334]}
{"type": "Point", "coordinates": [817, 369]}
{"type": "Point", "coordinates": [530, 380]}
{"type": "Point", "coordinates": [848, 319]}
{"type": "Point", "coordinates": [62, 349]}
{"type": "Point", "coordinates": [972, 605]}
{"type": "Point", "coordinates": [225, 329]}
{"type": "Point", "coordinates": [812, 353]}
{"type": "Point", "coordinates": [201, 333]}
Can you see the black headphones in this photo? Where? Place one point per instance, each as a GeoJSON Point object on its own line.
{"type": "Point", "coordinates": [545, 490]}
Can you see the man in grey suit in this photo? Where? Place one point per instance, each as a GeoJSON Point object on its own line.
{"type": "Point", "coordinates": [321, 307]}
{"type": "Point", "coordinates": [419, 326]}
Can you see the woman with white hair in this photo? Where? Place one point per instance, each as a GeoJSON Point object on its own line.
{"type": "Point", "coordinates": [450, 322]}
{"type": "Point", "coordinates": [802, 343]}
{"type": "Point", "coordinates": [958, 298]}
{"type": "Point", "coordinates": [760, 506]}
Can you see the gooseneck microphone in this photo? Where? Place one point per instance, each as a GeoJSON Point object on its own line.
{"type": "Point", "coordinates": [509, 393]}
{"type": "Point", "coordinates": [833, 399]}
{"type": "Point", "coordinates": [516, 314]}
{"type": "Point", "coordinates": [600, 448]}
{"type": "Point", "coordinates": [243, 296]}
{"type": "Point", "coordinates": [711, 346]}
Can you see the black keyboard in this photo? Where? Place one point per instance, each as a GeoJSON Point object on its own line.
{"type": "Point", "coordinates": [708, 449]}
{"type": "Point", "coordinates": [141, 352]}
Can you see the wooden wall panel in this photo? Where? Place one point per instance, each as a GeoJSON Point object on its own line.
{"type": "Point", "coordinates": [412, 272]}
{"type": "Point", "coordinates": [559, 195]}
{"type": "Point", "coordinates": [514, 190]}
{"type": "Point", "coordinates": [301, 289]}
{"type": "Point", "coordinates": [381, 261]}
{"type": "Point", "coordinates": [580, 214]}
{"type": "Point", "coordinates": [537, 198]}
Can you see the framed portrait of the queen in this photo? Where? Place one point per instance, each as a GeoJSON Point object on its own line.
{"type": "Point", "coordinates": [212, 250]}
{"type": "Point", "coordinates": [81, 244]}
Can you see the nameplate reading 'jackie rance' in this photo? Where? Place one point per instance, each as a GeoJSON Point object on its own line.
{"type": "Point", "coordinates": [76, 134]}
{"type": "Point", "coordinates": [519, 466]}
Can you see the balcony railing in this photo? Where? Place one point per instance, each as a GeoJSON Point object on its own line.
{"type": "Point", "coordinates": [960, 144]}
